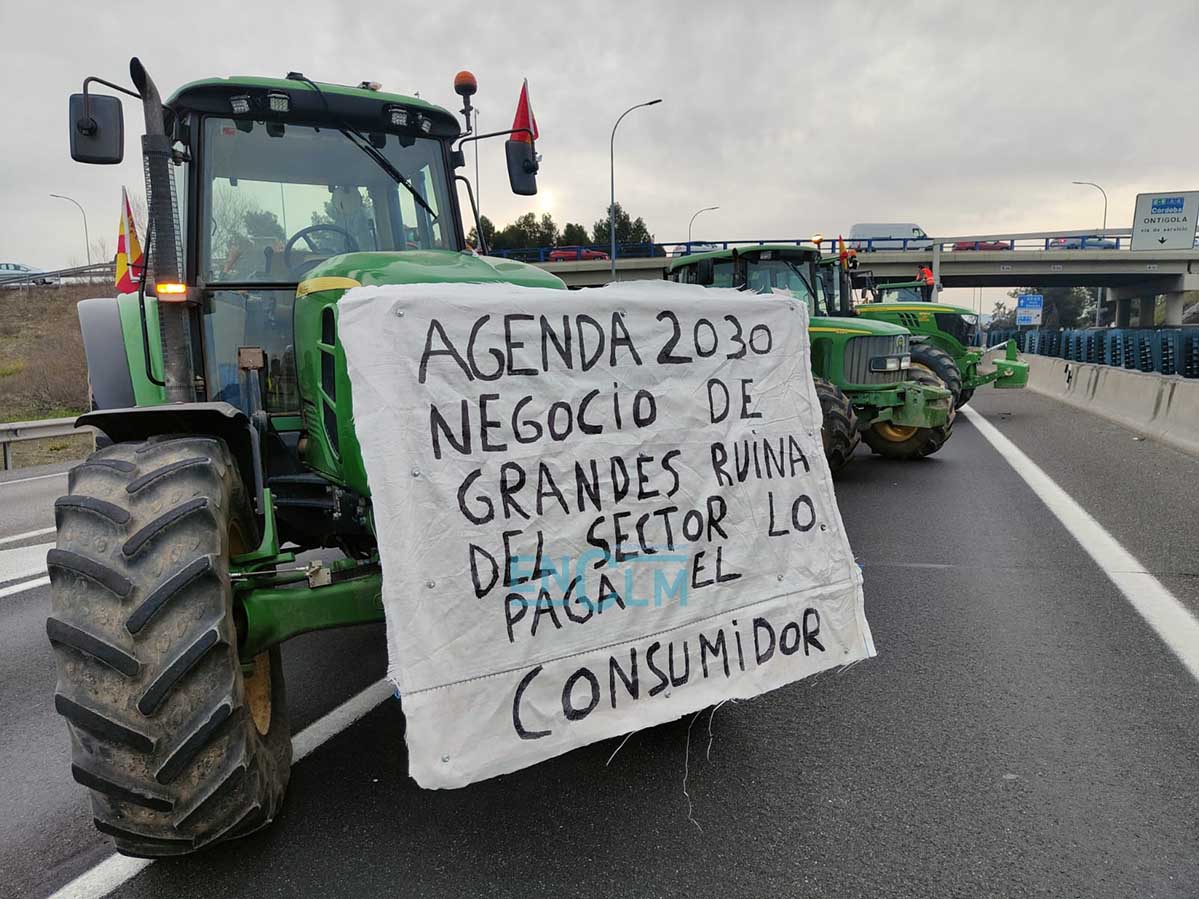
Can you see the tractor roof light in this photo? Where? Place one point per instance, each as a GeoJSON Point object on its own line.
{"type": "Point", "coordinates": [424, 123]}
{"type": "Point", "coordinates": [278, 101]}
{"type": "Point", "coordinates": [240, 104]}
{"type": "Point", "coordinates": [465, 84]}
{"type": "Point", "coordinates": [398, 116]}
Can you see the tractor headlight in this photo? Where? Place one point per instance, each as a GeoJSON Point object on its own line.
{"type": "Point", "coordinates": [398, 116]}
{"type": "Point", "coordinates": [424, 123]}
{"type": "Point", "coordinates": [970, 319]}
{"type": "Point", "coordinates": [905, 362]}
{"type": "Point", "coordinates": [889, 363]}
{"type": "Point", "coordinates": [240, 104]}
{"type": "Point", "coordinates": [278, 102]}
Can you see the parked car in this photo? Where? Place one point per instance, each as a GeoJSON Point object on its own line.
{"type": "Point", "coordinates": [982, 245]}
{"type": "Point", "coordinates": [888, 236]}
{"type": "Point", "coordinates": [573, 254]}
{"type": "Point", "coordinates": [12, 271]}
{"type": "Point", "coordinates": [1090, 242]}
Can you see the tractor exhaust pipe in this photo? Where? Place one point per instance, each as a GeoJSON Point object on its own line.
{"type": "Point", "coordinates": [166, 262]}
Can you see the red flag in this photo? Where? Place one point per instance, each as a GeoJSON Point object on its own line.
{"type": "Point", "coordinates": [524, 116]}
{"type": "Point", "coordinates": [129, 261]}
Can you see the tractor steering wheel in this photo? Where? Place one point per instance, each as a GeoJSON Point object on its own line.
{"type": "Point", "coordinates": [305, 234]}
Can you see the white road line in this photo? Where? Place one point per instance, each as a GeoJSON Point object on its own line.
{"type": "Point", "coordinates": [103, 878]}
{"type": "Point", "coordinates": [14, 589]}
{"type": "Point", "coordinates": [40, 477]}
{"type": "Point", "coordinates": [324, 729]}
{"type": "Point", "coordinates": [15, 538]}
{"type": "Point", "coordinates": [23, 561]}
{"type": "Point", "coordinates": [1172, 621]}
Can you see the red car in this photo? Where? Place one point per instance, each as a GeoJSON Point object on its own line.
{"type": "Point", "coordinates": [982, 245]}
{"type": "Point", "coordinates": [573, 254]}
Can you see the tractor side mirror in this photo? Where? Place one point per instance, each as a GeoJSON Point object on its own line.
{"type": "Point", "coordinates": [97, 129]}
{"type": "Point", "coordinates": [704, 272]}
{"type": "Point", "coordinates": [522, 167]}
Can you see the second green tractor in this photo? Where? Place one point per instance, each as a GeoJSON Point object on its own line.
{"type": "Point", "coordinates": [867, 388]}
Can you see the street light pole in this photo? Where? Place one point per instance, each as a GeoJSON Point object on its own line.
{"type": "Point", "coordinates": [86, 239]}
{"type": "Point", "coordinates": [1098, 290]}
{"type": "Point", "coordinates": [692, 222]}
{"type": "Point", "coordinates": [612, 173]}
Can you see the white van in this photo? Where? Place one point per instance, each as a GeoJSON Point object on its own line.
{"type": "Point", "coordinates": [888, 236]}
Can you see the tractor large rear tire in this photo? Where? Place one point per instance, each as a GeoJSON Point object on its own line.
{"type": "Point", "coordinates": [177, 747]}
{"type": "Point", "coordinates": [839, 425]}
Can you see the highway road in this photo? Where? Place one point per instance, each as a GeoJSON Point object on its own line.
{"type": "Point", "coordinates": [1023, 731]}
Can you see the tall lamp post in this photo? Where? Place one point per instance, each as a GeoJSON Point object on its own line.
{"type": "Point", "coordinates": [86, 239]}
{"type": "Point", "coordinates": [612, 171]}
{"type": "Point", "coordinates": [1098, 290]}
{"type": "Point", "coordinates": [692, 222]}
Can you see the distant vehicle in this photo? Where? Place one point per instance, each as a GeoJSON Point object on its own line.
{"type": "Point", "coordinates": [573, 254]}
{"type": "Point", "coordinates": [982, 245]}
{"type": "Point", "coordinates": [693, 248]}
{"type": "Point", "coordinates": [1090, 242]}
{"type": "Point", "coordinates": [888, 236]}
{"type": "Point", "coordinates": [11, 271]}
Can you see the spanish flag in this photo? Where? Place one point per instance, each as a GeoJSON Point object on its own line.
{"type": "Point", "coordinates": [130, 262]}
{"type": "Point", "coordinates": [524, 116]}
{"type": "Point", "coordinates": [842, 252]}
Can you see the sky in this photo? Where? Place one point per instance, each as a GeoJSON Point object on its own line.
{"type": "Point", "coordinates": [792, 117]}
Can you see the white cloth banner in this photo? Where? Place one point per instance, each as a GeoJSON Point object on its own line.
{"type": "Point", "coordinates": [597, 510]}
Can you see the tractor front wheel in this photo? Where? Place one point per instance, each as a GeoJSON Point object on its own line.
{"type": "Point", "coordinates": [839, 425]}
{"type": "Point", "coordinates": [928, 359]}
{"type": "Point", "coordinates": [892, 441]}
{"type": "Point", "coordinates": [178, 745]}
{"type": "Point", "coordinates": [964, 397]}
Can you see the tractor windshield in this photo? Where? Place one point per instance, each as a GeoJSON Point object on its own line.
{"type": "Point", "coordinates": [280, 198]}
{"type": "Point", "coordinates": [766, 273]}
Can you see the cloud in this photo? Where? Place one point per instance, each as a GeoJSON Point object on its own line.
{"type": "Point", "coordinates": [793, 117]}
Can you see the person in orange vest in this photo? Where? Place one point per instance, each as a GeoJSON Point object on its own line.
{"type": "Point", "coordinates": [926, 275]}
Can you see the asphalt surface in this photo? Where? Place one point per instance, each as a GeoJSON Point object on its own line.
{"type": "Point", "coordinates": [1021, 733]}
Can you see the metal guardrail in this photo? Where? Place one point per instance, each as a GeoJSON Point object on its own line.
{"type": "Point", "coordinates": [16, 431]}
{"type": "Point", "coordinates": [101, 270]}
{"type": "Point", "coordinates": [1096, 239]}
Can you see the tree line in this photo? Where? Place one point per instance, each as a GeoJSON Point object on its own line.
{"type": "Point", "coordinates": [529, 231]}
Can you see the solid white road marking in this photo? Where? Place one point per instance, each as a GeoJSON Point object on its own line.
{"type": "Point", "coordinates": [16, 538]}
{"type": "Point", "coordinates": [13, 589]}
{"type": "Point", "coordinates": [40, 477]}
{"type": "Point", "coordinates": [324, 729]}
{"type": "Point", "coordinates": [1172, 621]}
{"type": "Point", "coordinates": [23, 562]}
{"type": "Point", "coordinates": [103, 878]}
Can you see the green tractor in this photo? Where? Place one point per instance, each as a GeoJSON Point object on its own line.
{"type": "Point", "coordinates": [226, 398]}
{"type": "Point", "coordinates": [942, 337]}
{"type": "Point", "coordinates": [860, 367]}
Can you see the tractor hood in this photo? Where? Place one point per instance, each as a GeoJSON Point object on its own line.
{"type": "Point", "coordinates": [421, 267]}
{"type": "Point", "coordinates": [933, 308]}
{"type": "Point", "coordinates": [859, 326]}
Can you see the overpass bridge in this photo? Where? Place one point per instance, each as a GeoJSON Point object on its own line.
{"type": "Point", "coordinates": [1100, 258]}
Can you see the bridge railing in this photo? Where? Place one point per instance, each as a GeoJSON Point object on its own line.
{"type": "Point", "coordinates": [1083, 239]}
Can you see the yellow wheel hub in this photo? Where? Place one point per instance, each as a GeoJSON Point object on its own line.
{"type": "Point", "coordinates": [258, 692]}
{"type": "Point", "coordinates": [893, 433]}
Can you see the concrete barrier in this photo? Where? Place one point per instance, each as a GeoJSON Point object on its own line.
{"type": "Point", "coordinates": [1164, 407]}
